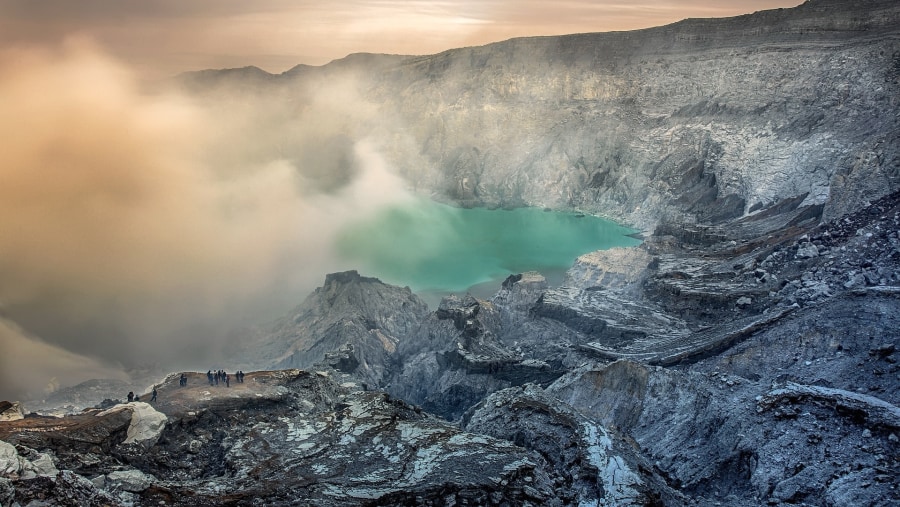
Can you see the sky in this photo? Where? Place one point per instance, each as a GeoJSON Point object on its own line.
{"type": "Point", "coordinates": [141, 228]}
{"type": "Point", "coordinates": [163, 37]}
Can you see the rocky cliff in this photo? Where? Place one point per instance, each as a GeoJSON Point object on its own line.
{"type": "Point", "coordinates": [744, 354]}
{"type": "Point", "coordinates": [703, 120]}
{"type": "Point", "coordinates": [710, 119]}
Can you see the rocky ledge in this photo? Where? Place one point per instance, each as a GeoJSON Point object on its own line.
{"type": "Point", "coordinates": [280, 438]}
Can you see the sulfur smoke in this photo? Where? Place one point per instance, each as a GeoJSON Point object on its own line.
{"type": "Point", "coordinates": [141, 228]}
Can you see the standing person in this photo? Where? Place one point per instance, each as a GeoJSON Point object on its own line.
{"type": "Point", "coordinates": [153, 398]}
{"type": "Point", "coordinates": [209, 376]}
{"type": "Point", "coordinates": [130, 396]}
{"type": "Point", "coordinates": [183, 381]}
{"type": "Point", "coordinates": [227, 384]}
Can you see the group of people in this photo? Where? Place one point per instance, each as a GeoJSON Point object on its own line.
{"type": "Point", "coordinates": [214, 379]}
{"type": "Point", "coordinates": [221, 376]}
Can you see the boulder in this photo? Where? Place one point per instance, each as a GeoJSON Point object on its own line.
{"type": "Point", "coordinates": [133, 481]}
{"type": "Point", "coordinates": [146, 424]}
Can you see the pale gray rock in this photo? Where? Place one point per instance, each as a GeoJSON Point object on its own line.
{"type": "Point", "coordinates": [519, 292]}
{"type": "Point", "coordinates": [133, 481]}
{"type": "Point", "coordinates": [99, 481]}
{"type": "Point", "coordinates": [146, 425]}
{"type": "Point", "coordinates": [855, 281]}
{"type": "Point", "coordinates": [39, 464]}
{"type": "Point", "coordinates": [16, 466]}
{"type": "Point", "coordinates": [807, 251]}
{"type": "Point", "coordinates": [10, 465]}
{"type": "Point", "coordinates": [11, 411]}
{"type": "Point", "coordinates": [613, 268]}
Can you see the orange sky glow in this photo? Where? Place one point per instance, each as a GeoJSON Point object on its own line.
{"type": "Point", "coordinates": [165, 37]}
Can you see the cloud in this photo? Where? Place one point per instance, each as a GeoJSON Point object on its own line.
{"type": "Point", "coordinates": [30, 367]}
{"type": "Point", "coordinates": [145, 227]}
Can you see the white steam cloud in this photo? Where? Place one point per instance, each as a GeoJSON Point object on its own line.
{"type": "Point", "coordinates": [142, 228]}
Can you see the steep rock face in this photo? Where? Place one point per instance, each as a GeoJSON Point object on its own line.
{"type": "Point", "coordinates": [704, 117]}
{"type": "Point", "coordinates": [704, 120]}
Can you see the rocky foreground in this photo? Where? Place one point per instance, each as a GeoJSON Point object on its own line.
{"type": "Point", "coordinates": [760, 383]}
{"type": "Point", "coordinates": [744, 354]}
{"type": "Point", "coordinates": [292, 437]}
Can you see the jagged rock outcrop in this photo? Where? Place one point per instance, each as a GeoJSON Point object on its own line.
{"type": "Point", "coordinates": [13, 465]}
{"type": "Point", "coordinates": [361, 316]}
{"type": "Point", "coordinates": [455, 359]}
{"type": "Point", "coordinates": [613, 268]}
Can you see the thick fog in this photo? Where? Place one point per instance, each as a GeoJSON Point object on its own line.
{"type": "Point", "coordinates": [149, 228]}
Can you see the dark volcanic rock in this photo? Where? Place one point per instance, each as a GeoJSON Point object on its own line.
{"type": "Point", "coordinates": [744, 354]}
{"type": "Point", "coordinates": [455, 359]}
{"type": "Point", "coordinates": [282, 438]}
{"type": "Point", "coordinates": [590, 463]}
{"type": "Point", "coordinates": [361, 315]}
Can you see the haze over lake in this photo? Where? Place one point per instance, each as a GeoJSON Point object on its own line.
{"type": "Point", "coordinates": [432, 247]}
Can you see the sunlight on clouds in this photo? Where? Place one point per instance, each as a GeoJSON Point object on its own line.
{"type": "Point", "coordinates": [168, 36]}
{"type": "Point", "coordinates": [143, 227]}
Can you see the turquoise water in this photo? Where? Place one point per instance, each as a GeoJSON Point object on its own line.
{"type": "Point", "coordinates": [433, 247]}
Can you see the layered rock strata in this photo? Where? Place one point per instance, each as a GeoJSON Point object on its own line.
{"type": "Point", "coordinates": [745, 354]}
